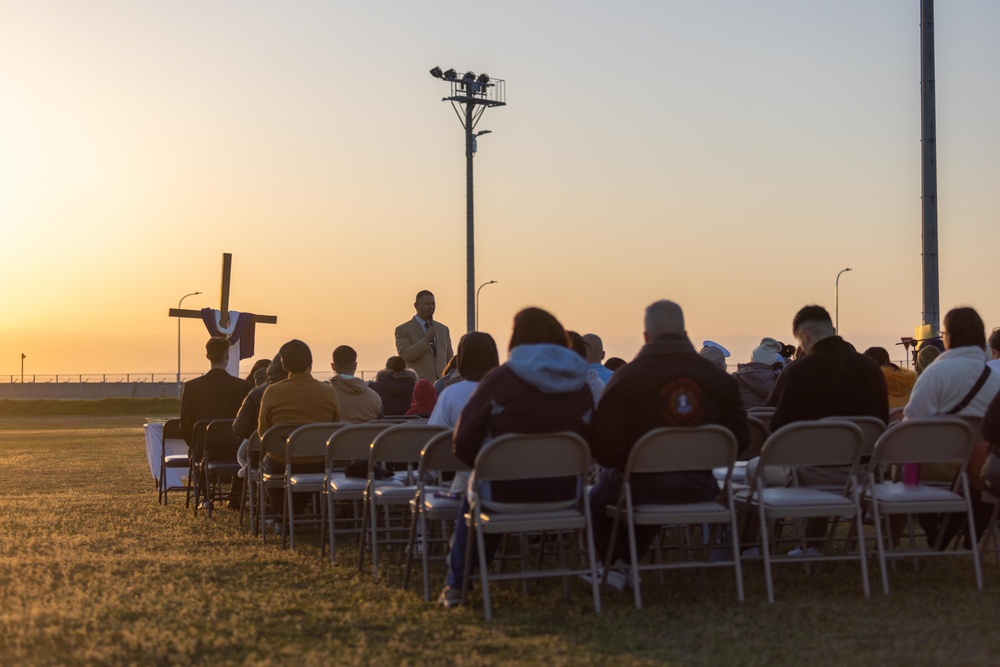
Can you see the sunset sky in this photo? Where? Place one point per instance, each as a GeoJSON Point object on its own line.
{"type": "Point", "coordinates": [732, 156]}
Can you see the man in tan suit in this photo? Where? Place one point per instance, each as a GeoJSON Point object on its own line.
{"type": "Point", "coordinates": [422, 342]}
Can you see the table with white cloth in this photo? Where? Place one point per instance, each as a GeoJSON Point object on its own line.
{"type": "Point", "coordinates": [154, 433]}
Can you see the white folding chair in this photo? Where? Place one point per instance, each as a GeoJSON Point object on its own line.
{"type": "Point", "coordinates": [759, 431]}
{"type": "Point", "coordinates": [274, 442]}
{"type": "Point", "coordinates": [349, 444]}
{"type": "Point", "coordinates": [530, 457]}
{"type": "Point", "coordinates": [808, 443]}
{"type": "Point", "coordinates": [396, 446]}
{"type": "Point", "coordinates": [667, 450]}
{"type": "Point", "coordinates": [171, 440]}
{"type": "Point", "coordinates": [933, 440]}
{"type": "Point", "coordinates": [430, 504]}
{"type": "Point", "coordinates": [306, 444]}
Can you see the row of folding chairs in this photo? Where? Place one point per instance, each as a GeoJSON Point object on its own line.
{"type": "Point", "coordinates": [858, 450]}
{"type": "Point", "coordinates": [426, 452]}
{"type": "Point", "coordinates": [217, 444]}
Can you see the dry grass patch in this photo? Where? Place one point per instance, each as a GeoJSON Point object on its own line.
{"type": "Point", "coordinates": [92, 570]}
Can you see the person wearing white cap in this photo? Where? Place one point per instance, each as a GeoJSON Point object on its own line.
{"type": "Point", "coordinates": [715, 353]}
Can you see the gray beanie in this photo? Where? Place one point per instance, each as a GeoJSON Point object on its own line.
{"type": "Point", "coordinates": [768, 352]}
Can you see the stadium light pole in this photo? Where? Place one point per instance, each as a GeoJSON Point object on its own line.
{"type": "Point", "coordinates": [492, 282]}
{"type": "Point", "coordinates": [470, 96]}
{"type": "Point", "coordinates": [179, 342]}
{"type": "Point", "coordinates": [836, 326]}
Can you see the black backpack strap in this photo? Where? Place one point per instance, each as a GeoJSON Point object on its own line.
{"type": "Point", "coordinates": [972, 392]}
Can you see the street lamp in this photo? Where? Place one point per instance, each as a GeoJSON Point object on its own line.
{"type": "Point", "coordinates": [492, 282]}
{"type": "Point", "coordinates": [836, 325]}
{"type": "Point", "coordinates": [179, 342]}
{"type": "Point", "coordinates": [470, 96]}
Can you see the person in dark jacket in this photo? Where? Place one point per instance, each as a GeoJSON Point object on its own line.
{"type": "Point", "coordinates": [541, 389]}
{"type": "Point", "coordinates": [991, 433]}
{"type": "Point", "coordinates": [215, 395]}
{"type": "Point", "coordinates": [832, 380]}
{"type": "Point", "coordinates": [667, 384]}
{"type": "Point", "coordinates": [246, 420]}
{"type": "Point", "coordinates": [395, 386]}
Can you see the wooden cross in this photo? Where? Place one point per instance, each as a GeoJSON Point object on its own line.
{"type": "Point", "coordinates": [227, 265]}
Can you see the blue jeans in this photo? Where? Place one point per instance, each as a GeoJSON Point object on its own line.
{"type": "Point", "coordinates": [456, 557]}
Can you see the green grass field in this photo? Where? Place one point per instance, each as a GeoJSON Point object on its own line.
{"type": "Point", "coordinates": [93, 570]}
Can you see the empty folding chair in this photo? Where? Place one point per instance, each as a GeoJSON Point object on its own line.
{"type": "Point", "coordinates": [273, 443]}
{"type": "Point", "coordinates": [305, 445]}
{"type": "Point", "coordinates": [667, 450]}
{"type": "Point", "coordinates": [174, 459]}
{"type": "Point", "coordinates": [808, 443]}
{"type": "Point", "coordinates": [530, 457]}
{"type": "Point", "coordinates": [396, 446]}
{"type": "Point", "coordinates": [349, 445]}
{"type": "Point", "coordinates": [219, 461]}
{"type": "Point", "coordinates": [197, 459]}
{"type": "Point", "coordinates": [933, 440]}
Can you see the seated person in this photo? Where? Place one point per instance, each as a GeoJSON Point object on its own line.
{"type": "Point", "coordinates": [424, 398]}
{"type": "Point", "coordinates": [298, 399]}
{"type": "Point", "coordinates": [898, 381]}
{"type": "Point", "coordinates": [541, 389]}
{"type": "Point", "coordinates": [248, 417]}
{"type": "Point", "coordinates": [667, 384]}
{"type": "Point", "coordinates": [756, 379]}
{"type": "Point", "coordinates": [578, 344]}
{"type": "Point", "coordinates": [358, 402]}
{"type": "Point", "coordinates": [215, 395]}
{"type": "Point", "coordinates": [394, 385]}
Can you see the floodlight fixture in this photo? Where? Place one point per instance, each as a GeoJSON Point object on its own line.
{"type": "Point", "coordinates": [470, 96]}
{"type": "Point", "coordinates": [436, 73]}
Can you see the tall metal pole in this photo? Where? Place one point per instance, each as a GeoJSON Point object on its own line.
{"type": "Point", "coordinates": [470, 238]}
{"type": "Point", "coordinates": [179, 342]}
{"type": "Point", "coordinates": [470, 96]}
{"type": "Point", "coordinates": [836, 326]}
{"type": "Point", "coordinates": [928, 170]}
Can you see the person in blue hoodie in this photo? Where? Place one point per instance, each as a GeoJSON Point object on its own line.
{"type": "Point", "coordinates": [541, 389]}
